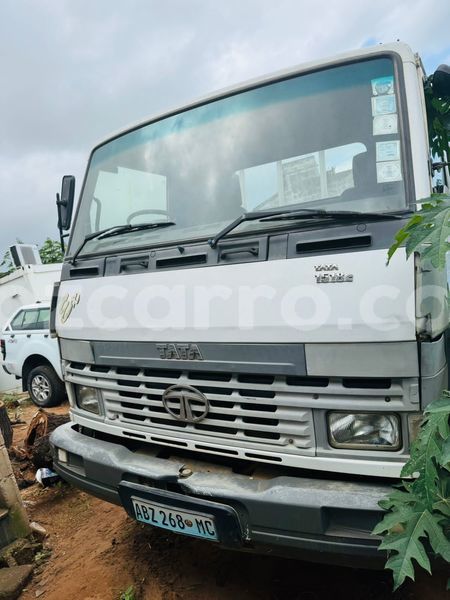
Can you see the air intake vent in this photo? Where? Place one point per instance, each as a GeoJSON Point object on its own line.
{"type": "Point", "coordinates": [356, 241]}
{"type": "Point", "coordinates": [366, 383]}
{"type": "Point", "coordinates": [79, 272]}
{"type": "Point", "coordinates": [181, 261]}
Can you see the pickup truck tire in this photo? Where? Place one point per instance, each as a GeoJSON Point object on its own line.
{"type": "Point", "coordinates": [45, 387]}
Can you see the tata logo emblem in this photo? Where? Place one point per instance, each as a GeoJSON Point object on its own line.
{"type": "Point", "coordinates": [330, 273]}
{"type": "Point", "coordinates": [68, 303]}
{"type": "Point", "coordinates": [331, 267]}
{"type": "Point", "coordinates": [172, 351]}
{"type": "Point", "coordinates": [185, 403]}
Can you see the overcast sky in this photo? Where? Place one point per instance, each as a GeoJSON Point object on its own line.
{"type": "Point", "coordinates": [73, 71]}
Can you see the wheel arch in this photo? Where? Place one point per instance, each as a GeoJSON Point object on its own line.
{"type": "Point", "coordinates": [31, 362]}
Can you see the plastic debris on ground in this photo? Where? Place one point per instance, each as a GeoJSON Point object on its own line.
{"type": "Point", "coordinates": [47, 477]}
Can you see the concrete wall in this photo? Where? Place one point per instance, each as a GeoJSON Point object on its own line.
{"type": "Point", "coordinates": [27, 285]}
{"type": "Point", "coordinates": [13, 518]}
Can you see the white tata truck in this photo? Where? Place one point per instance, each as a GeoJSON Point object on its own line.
{"type": "Point", "coordinates": [242, 364]}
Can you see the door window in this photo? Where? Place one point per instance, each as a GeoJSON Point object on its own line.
{"type": "Point", "coordinates": [17, 321]}
{"type": "Point", "coordinates": [43, 319]}
{"type": "Point", "coordinates": [31, 320]}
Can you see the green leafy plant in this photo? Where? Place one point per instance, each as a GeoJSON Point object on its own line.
{"type": "Point", "coordinates": [438, 116]}
{"type": "Point", "coordinates": [50, 252]}
{"type": "Point", "coordinates": [11, 400]}
{"type": "Point", "coordinates": [416, 526]}
{"type": "Point", "coordinates": [417, 522]}
{"type": "Point", "coordinates": [427, 231]}
{"type": "Point", "coordinates": [128, 594]}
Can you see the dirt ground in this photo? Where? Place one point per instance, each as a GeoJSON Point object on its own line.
{"type": "Point", "coordinates": [98, 552]}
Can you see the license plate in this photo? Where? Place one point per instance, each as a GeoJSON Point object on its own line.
{"type": "Point", "coordinates": [180, 521]}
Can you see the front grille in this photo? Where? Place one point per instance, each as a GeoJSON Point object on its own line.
{"type": "Point", "coordinates": [257, 416]}
{"type": "Point", "coordinates": [257, 412]}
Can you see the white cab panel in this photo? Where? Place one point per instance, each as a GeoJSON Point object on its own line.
{"type": "Point", "coordinates": [264, 302]}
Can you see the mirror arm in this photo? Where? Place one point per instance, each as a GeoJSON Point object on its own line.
{"type": "Point", "coordinates": [59, 203]}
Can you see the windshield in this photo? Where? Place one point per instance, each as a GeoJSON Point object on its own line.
{"type": "Point", "coordinates": [325, 140]}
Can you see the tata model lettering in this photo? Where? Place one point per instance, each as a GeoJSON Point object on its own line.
{"type": "Point", "coordinates": [242, 364]}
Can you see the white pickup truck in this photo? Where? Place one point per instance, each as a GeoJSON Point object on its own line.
{"type": "Point", "coordinates": [29, 353]}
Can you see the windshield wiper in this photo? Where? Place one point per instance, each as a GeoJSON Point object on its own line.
{"type": "Point", "coordinates": [302, 213]}
{"type": "Point", "coordinates": [333, 214]}
{"type": "Point", "coordinates": [118, 230]}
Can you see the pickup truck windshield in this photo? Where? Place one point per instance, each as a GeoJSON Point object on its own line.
{"type": "Point", "coordinates": [323, 140]}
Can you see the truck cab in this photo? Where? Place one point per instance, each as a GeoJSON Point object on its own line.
{"type": "Point", "coordinates": [29, 353]}
{"type": "Point", "coordinates": [242, 364]}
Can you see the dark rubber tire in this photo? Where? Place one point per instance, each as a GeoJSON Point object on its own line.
{"type": "Point", "coordinates": [52, 388]}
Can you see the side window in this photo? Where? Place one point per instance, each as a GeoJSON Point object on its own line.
{"type": "Point", "coordinates": [30, 319]}
{"type": "Point", "coordinates": [16, 324]}
{"type": "Point", "coordinates": [43, 320]}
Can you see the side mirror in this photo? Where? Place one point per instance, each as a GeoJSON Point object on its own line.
{"type": "Point", "coordinates": [441, 81]}
{"type": "Point", "coordinates": [65, 202]}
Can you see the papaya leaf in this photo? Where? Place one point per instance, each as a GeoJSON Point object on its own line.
{"type": "Point", "coordinates": [397, 497]}
{"type": "Point", "coordinates": [430, 236]}
{"type": "Point", "coordinates": [417, 516]}
{"type": "Point", "coordinates": [443, 504]}
{"type": "Point", "coordinates": [445, 457]}
{"type": "Point", "coordinates": [438, 114]}
{"type": "Point", "coordinates": [401, 513]}
{"type": "Point", "coordinates": [400, 237]}
{"type": "Point", "coordinates": [442, 404]}
{"type": "Point", "coordinates": [407, 545]}
{"type": "Point", "coordinates": [426, 454]}
{"type": "Point", "coordinates": [443, 425]}
{"type": "Point", "coordinates": [427, 231]}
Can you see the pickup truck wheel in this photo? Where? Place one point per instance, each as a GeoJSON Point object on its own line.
{"type": "Point", "coordinates": [45, 387]}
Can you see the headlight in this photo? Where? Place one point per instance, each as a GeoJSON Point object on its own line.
{"type": "Point", "coordinates": [87, 398]}
{"type": "Point", "coordinates": [364, 431]}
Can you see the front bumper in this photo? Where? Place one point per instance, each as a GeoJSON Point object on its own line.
{"type": "Point", "coordinates": [316, 519]}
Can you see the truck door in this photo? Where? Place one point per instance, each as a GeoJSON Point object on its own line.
{"type": "Point", "coordinates": [27, 324]}
{"type": "Point", "coordinates": [12, 337]}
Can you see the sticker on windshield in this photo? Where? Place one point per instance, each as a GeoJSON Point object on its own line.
{"type": "Point", "coordinates": [388, 150]}
{"type": "Point", "coordinates": [389, 171]}
{"type": "Point", "coordinates": [383, 105]}
{"type": "Point", "coordinates": [385, 124]}
{"type": "Point", "coordinates": [383, 85]}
